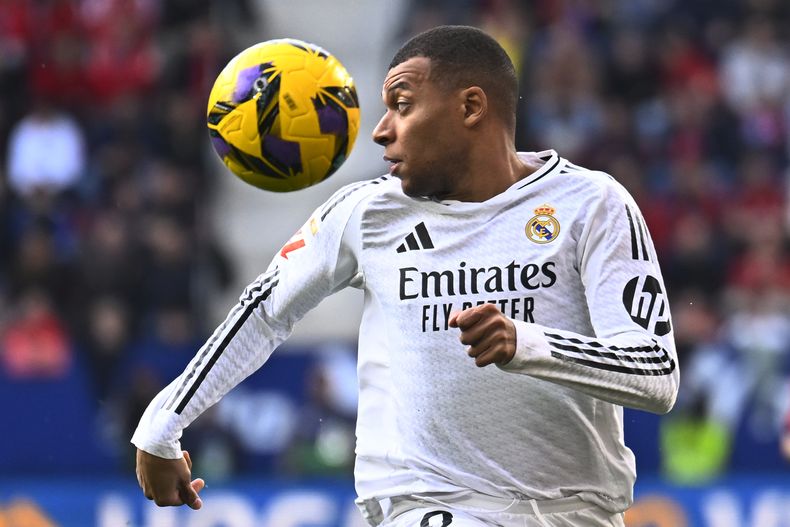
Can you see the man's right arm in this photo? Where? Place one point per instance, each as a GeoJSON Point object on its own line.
{"type": "Point", "coordinates": [319, 260]}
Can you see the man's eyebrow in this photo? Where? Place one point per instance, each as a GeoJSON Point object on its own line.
{"type": "Point", "coordinates": [400, 85]}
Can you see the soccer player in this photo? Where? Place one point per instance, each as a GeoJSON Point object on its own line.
{"type": "Point", "coordinates": [513, 305]}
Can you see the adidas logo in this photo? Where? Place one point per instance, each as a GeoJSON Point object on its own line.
{"type": "Point", "coordinates": [411, 242]}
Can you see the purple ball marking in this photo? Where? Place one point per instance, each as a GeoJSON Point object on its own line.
{"type": "Point", "coordinates": [220, 146]}
{"type": "Point", "coordinates": [244, 81]}
{"type": "Point", "coordinates": [332, 121]}
{"type": "Point", "coordinates": [282, 151]}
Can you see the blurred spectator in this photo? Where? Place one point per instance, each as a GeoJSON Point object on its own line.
{"type": "Point", "coordinates": [109, 262]}
{"type": "Point", "coordinates": [35, 342]}
{"type": "Point", "coordinates": [760, 336]}
{"type": "Point", "coordinates": [631, 71]}
{"type": "Point", "coordinates": [122, 57]}
{"type": "Point", "coordinates": [60, 75]}
{"type": "Point", "coordinates": [694, 262]}
{"type": "Point", "coordinates": [762, 270]}
{"type": "Point", "coordinates": [761, 192]}
{"type": "Point", "coordinates": [45, 130]}
{"type": "Point", "coordinates": [687, 188]}
{"type": "Point", "coordinates": [167, 265]}
{"type": "Point", "coordinates": [38, 264]}
{"type": "Point", "coordinates": [169, 342]}
{"type": "Point", "coordinates": [324, 440]}
{"type": "Point", "coordinates": [564, 109]}
{"type": "Point", "coordinates": [696, 439]}
{"type": "Point", "coordinates": [755, 68]}
{"type": "Point", "coordinates": [507, 22]}
{"type": "Point", "coordinates": [424, 14]}
{"type": "Point", "coordinates": [170, 193]}
{"type": "Point", "coordinates": [105, 339]}
{"type": "Point", "coordinates": [683, 63]}
{"type": "Point", "coordinates": [756, 76]}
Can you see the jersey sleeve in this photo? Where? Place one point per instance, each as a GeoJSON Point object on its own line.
{"type": "Point", "coordinates": [630, 359]}
{"type": "Point", "coordinates": [319, 259]}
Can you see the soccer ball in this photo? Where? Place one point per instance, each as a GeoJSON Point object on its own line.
{"type": "Point", "coordinates": [283, 115]}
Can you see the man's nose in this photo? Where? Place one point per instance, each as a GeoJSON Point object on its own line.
{"type": "Point", "coordinates": [382, 134]}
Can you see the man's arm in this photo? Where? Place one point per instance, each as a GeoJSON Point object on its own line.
{"type": "Point", "coordinates": [631, 359]}
{"type": "Point", "coordinates": [319, 260]}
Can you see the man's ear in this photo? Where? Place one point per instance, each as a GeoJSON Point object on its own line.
{"type": "Point", "coordinates": [475, 105]}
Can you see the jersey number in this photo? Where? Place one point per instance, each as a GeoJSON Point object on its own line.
{"type": "Point", "coordinates": [432, 519]}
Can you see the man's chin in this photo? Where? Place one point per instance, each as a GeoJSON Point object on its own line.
{"type": "Point", "coordinates": [407, 188]}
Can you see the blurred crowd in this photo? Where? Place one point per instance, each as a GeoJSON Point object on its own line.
{"type": "Point", "coordinates": [107, 255]}
{"type": "Point", "coordinates": [107, 259]}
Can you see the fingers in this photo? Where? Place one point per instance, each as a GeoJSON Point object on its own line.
{"type": "Point", "coordinates": [481, 353]}
{"type": "Point", "coordinates": [173, 499]}
{"type": "Point", "coordinates": [476, 333]}
{"type": "Point", "coordinates": [490, 335]}
{"type": "Point", "coordinates": [168, 481]}
{"type": "Point", "coordinates": [491, 356]}
{"type": "Point", "coordinates": [469, 317]}
{"type": "Point", "coordinates": [198, 484]}
{"type": "Point", "coordinates": [189, 494]}
{"type": "Point", "coordinates": [185, 494]}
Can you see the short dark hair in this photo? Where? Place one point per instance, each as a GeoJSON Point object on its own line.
{"type": "Point", "coordinates": [463, 56]}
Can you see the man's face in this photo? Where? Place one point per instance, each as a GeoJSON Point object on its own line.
{"type": "Point", "coordinates": [421, 131]}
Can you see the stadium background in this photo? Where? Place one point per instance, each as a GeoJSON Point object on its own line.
{"type": "Point", "coordinates": [123, 242]}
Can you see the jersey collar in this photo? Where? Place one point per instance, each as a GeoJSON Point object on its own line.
{"type": "Point", "coordinates": [549, 162]}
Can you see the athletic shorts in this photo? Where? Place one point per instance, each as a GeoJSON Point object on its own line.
{"type": "Point", "coordinates": [481, 511]}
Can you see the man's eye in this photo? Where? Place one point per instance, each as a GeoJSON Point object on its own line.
{"type": "Point", "coordinates": [401, 106]}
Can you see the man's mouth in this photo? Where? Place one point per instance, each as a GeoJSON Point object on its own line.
{"type": "Point", "coordinates": [394, 164]}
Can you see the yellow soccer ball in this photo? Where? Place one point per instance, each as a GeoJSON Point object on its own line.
{"type": "Point", "coordinates": [283, 115]}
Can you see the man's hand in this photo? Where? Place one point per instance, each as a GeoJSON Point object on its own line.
{"type": "Point", "coordinates": [168, 481]}
{"type": "Point", "coordinates": [490, 335]}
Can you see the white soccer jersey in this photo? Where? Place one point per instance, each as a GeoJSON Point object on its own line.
{"type": "Point", "coordinates": [564, 252]}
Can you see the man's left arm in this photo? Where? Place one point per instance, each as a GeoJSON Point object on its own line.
{"type": "Point", "coordinates": [630, 359]}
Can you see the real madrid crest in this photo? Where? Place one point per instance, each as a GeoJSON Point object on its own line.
{"type": "Point", "coordinates": [543, 227]}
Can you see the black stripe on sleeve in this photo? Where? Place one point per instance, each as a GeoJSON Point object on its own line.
{"type": "Point", "coordinates": [594, 344]}
{"type": "Point", "coordinates": [642, 236]}
{"type": "Point", "coordinates": [634, 249]}
{"type": "Point", "coordinates": [591, 357]}
{"type": "Point", "coordinates": [661, 359]}
{"type": "Point", "coordinates": [616, 367]}
{"type": "Point", "coordinates": [247, 297]}
{"type": "Point", "coordinates": [222, 346]}
{"type": "Point", "coordinates": [179, 390]}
